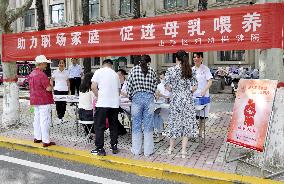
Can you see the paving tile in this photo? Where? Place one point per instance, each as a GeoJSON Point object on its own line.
{"type": "Point", "coordinates": [208, 156]}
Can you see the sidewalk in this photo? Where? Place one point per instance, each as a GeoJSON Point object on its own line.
{"type": "Point", "coordinates": [208, 157]}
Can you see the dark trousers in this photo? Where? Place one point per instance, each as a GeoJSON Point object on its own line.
{"type": "Point", "coordinates": [100, 125]}
{"type": "Point", "coordinates": [60, 106]}
{"type": "Point", "coordinates": [87, 115]}
{"type": "Point", "coordinates": [75, 85]}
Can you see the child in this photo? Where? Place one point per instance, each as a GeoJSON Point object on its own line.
{"type": "Point", "coordinates": [86, 98]}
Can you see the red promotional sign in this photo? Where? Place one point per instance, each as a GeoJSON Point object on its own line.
{"type": "Point", "coordinates": [243, 28]}
{"type": "Point", "coordinates": [251, 113]}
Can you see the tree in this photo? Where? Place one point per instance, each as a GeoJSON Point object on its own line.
{"type": "Point", "coordinates": [136, 9]}
{"type": "Point", "coordinates": [86, 21]}
{"type": "Point", "coordinates": [202, 5]}
{"type": "Point", "coordinates": [10, 115]}
{"type": "Point", "coordinates": [41, 26]}
{"type": "Point", "coordinates": [40, 15]}
{"type": "Point", "coordinates": [137, 15]}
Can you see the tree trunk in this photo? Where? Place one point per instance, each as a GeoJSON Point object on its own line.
{"type": "Point", "coordinates": [202, 5]}
{"type": "Point", "coordinates": [85, 10]}
{"type": "Point", "coordinates": [11, 105]}
{"type": "Point", "coordinates": [40, 15]}
{"type": "Point", "coordinates": [86, 21]}
{"type": "Point", "coordinates": [137, 15]}
{"type": "Point", "coordinates": [136, 9]}
{"type": "Point", "coordinates": [41, 26]}
{"type": "Point", "coordinates": [271, 67]}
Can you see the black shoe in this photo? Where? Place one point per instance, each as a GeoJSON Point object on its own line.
{"type": "Point", "coordinates": [99, 152]}
{"type": "Point", "coordinates": [114, 149]}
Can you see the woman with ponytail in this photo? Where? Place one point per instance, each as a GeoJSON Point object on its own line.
{"type": "Point", "coordinates": [141, 87]}
{"type": "Point", "coordinates": [182, 118]}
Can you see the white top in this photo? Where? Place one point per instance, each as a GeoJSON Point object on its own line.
{"type": "Point", "coordinates": [202, 75]}
{"type": "Point", "coordinates": [124, 86]}
{"type": "Point", "coordinates": [60, 78]}
{"type": "Point", "coordinates": [86, 100]}
{"type": "Point", "coordinates": [161, 88]}
{"type": "Point", "coordinates": [108, 85]}
{"type": "Point", "coordinates": [75, 71]}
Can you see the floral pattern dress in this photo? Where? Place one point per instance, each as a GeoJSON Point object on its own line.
{"type": "Point", "coordinates": [182, 117]}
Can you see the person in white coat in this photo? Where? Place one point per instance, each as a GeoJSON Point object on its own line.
{"type": "Point", "coordinates": [204, 81]}
{"type": "Point", "coordinates": [61, 87]}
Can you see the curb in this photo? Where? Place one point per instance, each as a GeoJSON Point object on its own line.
{"type": "Point", "coordinates": [141, 168]}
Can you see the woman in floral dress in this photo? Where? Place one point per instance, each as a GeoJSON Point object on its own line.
{"type": "Point", "coordinates": [182, 118]}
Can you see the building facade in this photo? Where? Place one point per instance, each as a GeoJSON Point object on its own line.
{"type": "Point", "coordinates": [66, 13]}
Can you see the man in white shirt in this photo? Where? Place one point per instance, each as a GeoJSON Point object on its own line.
{"type": "Point", "coordinates": [106, 87]}
{"type": "Point", "coordinates": [75, 74]}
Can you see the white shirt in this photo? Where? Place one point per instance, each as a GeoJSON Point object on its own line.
{"type": "Point", "coordinates": [86, 100]}
{"type": "Point", "coordinates": [124, 86]}
{"type": "Point", "coordinates": [202, 75]}
{"type": "Point", "coordinates": [60, 78]}
{"type": "Point", "coordinates": [75, 71]}
{"type": "Point", "coordinates": [108, 87]}
{"type": "Point", "coordinates": [161, 88]}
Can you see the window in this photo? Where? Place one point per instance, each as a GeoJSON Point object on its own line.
{"type": "Point", "coordinates": [57, 13]}
{"type": "Point", "coordinates": [95, 61]}
{"type": "Point", "coordinates": [29, 18]}
{"type": "Point", "coordinates": [94, 8]}
{"type": "Point", "coordinates": [126, 6]}
{"type": "Point", "coordinates": [175, 3]}
{"type": "Point", "coordinates": [232, 55]}
{"type": "Point", "coordinates": [170, 58]}
{"type": "Point", "coordinates": [54, 63]}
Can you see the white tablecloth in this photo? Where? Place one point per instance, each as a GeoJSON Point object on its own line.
{"type": "Point", "coordinates": [124, 103]}
{"type": "Point", "coordinates": [66, 98]}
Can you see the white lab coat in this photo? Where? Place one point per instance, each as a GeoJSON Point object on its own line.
{"type": "Point", "coordinates": [202, 75]}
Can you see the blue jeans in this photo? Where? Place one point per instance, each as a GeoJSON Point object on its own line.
{"type": "Point", "coordinates": [158, 122]}
{"type": "Point", "coordinates": [142, 112]}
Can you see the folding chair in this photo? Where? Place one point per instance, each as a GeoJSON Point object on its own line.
{"type": "Point", "coordinates": [125, 119]}
{"type": "Point", "coordinates": [87, 130]}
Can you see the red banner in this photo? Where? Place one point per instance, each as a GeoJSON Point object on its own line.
{"type": "Point", "coordinates": [243, 28]}
{"type": "Point", "coordinates": [251, 113]}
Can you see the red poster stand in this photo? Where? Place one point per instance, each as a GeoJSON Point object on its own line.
{"type": "Point", "coordinates": [248, 118]}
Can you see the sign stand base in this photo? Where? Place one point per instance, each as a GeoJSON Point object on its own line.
{"type": "Point", "coordinates": [249, 154]}
{"type": "Point", "coordinates": [274, 174]}
{"type": "Point", "coordinates": [239, 158]}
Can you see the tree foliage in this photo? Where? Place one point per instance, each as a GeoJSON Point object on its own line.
{"type": "Point", "coordinates": [8, 16]}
